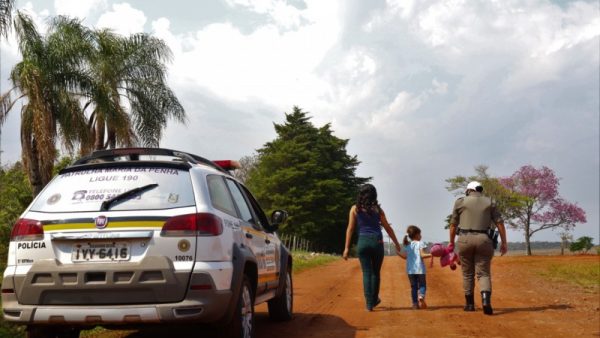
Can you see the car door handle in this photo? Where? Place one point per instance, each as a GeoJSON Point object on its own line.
{"type": "Point", "coordinates": [267, 241]}
{"type": "Point", "coordinates": [249, 235]}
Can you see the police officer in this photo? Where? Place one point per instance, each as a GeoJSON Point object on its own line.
{"type": "Point", "coordinates": [471, 219]}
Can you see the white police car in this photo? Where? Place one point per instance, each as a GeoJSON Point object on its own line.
{"type": "Point", "coordinates": [138, 235]}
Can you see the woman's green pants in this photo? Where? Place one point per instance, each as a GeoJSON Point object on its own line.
{"type": "Point", "coordinates": [370, 254]}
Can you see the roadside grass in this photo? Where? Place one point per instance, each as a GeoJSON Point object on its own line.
{"type": "Point", "coordinates": [100, 332]}
{"type": "Point", "coordinates": [11, 331]}
{"type": "Point", "coordinates": [584, 274]}
{"type": "Point", "coordinates": [305, 260]}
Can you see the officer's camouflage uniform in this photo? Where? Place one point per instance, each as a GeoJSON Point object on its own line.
{"type": "Point", "coordinates": [474, 214]}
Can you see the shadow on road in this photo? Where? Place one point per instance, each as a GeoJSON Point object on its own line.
{"type": "Point", "coordinates": [180, 331]}
{"type": "Point", "coordinates": [501, 311]}
{"type": "Point", "coordinates": [408, 308]}
{"type": "Point", "coordinates": [304, 325]}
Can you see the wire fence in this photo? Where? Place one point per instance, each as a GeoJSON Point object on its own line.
{"type": "Point", "coordinates": [296, 243]}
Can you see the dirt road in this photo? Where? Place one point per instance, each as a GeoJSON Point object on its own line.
{"type": "Point", "coordinates": [329, 303]}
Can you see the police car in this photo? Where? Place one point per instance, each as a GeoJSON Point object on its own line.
{"type": "Point", "coordinates": [139, 235]}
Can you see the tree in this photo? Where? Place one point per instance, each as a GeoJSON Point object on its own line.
{"type": "Point", "coordinates": [247, 164]}
{"type": "Point", "coordinates": [6, 7]}
{"type": "Point", "coordinates": [565, 238]}
{"type": "Point", "coordinates": [537, 205]}
{"type": "Point", "coordinates": [307, 171]}
{"type": "Point", "coordinates": [46, 80]}
{"type": "Point", "coordinates": [584, 244]}
{"type": "Point", "coordinates": [15, 196]}
{"type": "Point", "coordinates": [128, 70]}
{"type": "Point", "coordinates": [502, 197]}
{"type": "Point", "coordinates": [72, 65]}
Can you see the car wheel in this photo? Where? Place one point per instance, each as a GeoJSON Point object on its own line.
{"type": "Point", "coordinates": [281, 307]}
{"type": "Point", "coordinates": [242, 325]}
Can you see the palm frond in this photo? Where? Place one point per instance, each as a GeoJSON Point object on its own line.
{"type": "Point", "coordinates": [71, 121]}
{"type": "Point", "coordinates": [31, 44]}
{"type": "Point", "coordinates": [7, 103]}
{"type": "Point", "coordinates": [6, 7]}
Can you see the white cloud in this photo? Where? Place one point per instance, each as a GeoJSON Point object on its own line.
{"type": "Point", "coordinates": [403, 104]}
{"type": "Point", "coordinates": [77, 8]}
{"type": "Point", "coordinates": [284, 15]}
{"type": "Point", "coordinates": [123, 19]}
{"type": "Point", "coordinates": [274, 66]}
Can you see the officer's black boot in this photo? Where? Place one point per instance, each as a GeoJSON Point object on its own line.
{"type": "Point", "coordinates": [486, 302]}
{"type": "Point", "coordinates": [469, 303]}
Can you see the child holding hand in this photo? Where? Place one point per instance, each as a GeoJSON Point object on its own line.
{"type": "Point", "coordinates": [414, 253]}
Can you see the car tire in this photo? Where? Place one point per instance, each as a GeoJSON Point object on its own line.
{"type": "Point", "coordinates": [242, 324]}
{"type": "Point", "coordinates": [281, 307]}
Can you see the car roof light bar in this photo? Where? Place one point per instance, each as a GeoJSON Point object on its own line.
{"type": "Point", "coordinates": [228, 164]}
{"type": "Point", "coordinates": [133, 154]}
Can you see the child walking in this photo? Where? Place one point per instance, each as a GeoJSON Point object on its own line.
{"type": "Point", "coordinates": [414, 253]}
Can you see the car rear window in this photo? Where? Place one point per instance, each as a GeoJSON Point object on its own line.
{"type": "Point", "coordinates": [85, 190]}
{"type": "Point", "coordinates": [219, 195]}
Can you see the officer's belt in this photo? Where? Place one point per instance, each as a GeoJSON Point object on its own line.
{"type": "Point", "coordinates": [471, 230]}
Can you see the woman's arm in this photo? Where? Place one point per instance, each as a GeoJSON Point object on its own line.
{"type": "Point", "coordinates": [350, 230]}
{"type": "Point", "coordinates": [388, 228]}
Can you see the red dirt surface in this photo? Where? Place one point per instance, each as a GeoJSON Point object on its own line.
{"type": "Point", "coordinates": [329, 303]}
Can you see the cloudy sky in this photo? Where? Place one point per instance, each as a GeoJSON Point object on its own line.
{"type": "Point", "coordinates": [424, 90]}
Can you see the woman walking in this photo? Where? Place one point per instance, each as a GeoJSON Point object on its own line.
{"type": "Point", "coordinates": [368, 216]}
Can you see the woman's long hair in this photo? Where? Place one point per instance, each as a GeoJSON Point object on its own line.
{"type": "Point", "coordinates": [367, 199]}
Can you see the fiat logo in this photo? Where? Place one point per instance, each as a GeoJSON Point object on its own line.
{"type": "Point", "coordinates": [101, 222]}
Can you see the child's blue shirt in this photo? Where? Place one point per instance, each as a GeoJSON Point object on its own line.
{"type": "Point", "coordinates": [414, 262]}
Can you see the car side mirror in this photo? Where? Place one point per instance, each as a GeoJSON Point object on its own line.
{"type": "Point", "coordinates": [278, 217]}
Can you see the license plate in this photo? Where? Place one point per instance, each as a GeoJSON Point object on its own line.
{"type": "Point", "coordinates": [101, 252]}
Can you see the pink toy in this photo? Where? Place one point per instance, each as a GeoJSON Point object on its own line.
{"type": "Point", "coordinates": [446, 254]}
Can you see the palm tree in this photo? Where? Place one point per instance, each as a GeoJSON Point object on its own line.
{"type": "Point", "coordinates": [46, 81]}
{"type": "Point", "coordinates": [74, 69]}
{"type": "Point", "coordinates": [129, 71]}
{"type": "Point", "coordinates": [5, 15]}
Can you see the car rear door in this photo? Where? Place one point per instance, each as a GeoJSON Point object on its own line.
{"type": "Point", "coordinates": [117, 255]}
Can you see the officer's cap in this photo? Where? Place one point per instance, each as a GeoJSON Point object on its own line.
{"type": "Point", "coordinates": [474, 185]}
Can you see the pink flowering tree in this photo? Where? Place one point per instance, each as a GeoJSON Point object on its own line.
{"type": "Point", "coordinates": [536, 205]}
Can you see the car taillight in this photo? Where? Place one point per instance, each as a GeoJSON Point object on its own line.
{"type": "Point", "coordinates": [27, 230]}
{"type": "Point", "coordinates": [201, 224]}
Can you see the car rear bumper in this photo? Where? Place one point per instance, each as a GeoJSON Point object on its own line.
{"type": "Point", "coordinates": [205, 296]}
{"type": "Point", "coordinates": [200, 306]}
